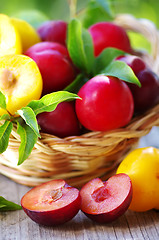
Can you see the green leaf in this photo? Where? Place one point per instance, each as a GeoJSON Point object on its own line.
{"type": "Point", "coordinates": [122, 71]}
{"type": "Point", "coordinates": [80, 46]}
{"type": "Point", "coordinates": [2, 100]}
{"type": "Point", "coordinates": [98, 11]}
{"type": "Point", "coordinates": [5, 117]}
{"type": "Point", "coordinates": [50, 101]}
{"type": "Point", "coordinates": [28, 140]}
{"type": "Point", "coordinates": [105, 5]}
{"type": "Point", "coordinates": [6, 205]}
{"type": "Point", "coordinates": [30, 118]}
{"type": "Point", "coordinates": [105, 58]}
{"type": "Point", "coordinates": [5, 131]}
{"type": "Point", "coordinates": [75, 86]}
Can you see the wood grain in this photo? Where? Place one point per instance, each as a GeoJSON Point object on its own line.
{"type": "Point", "coordinates": [17, 226]}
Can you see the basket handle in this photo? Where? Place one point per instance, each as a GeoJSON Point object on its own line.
{"type": "Point", "coordinates": [146, 28]}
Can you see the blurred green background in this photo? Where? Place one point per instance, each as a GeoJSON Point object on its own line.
{"type": "Point", "coordinates": [38, 11]}
{"type": "Point", "coordinates": [54, 9]}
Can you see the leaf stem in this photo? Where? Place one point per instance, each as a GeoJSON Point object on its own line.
{"type": "Point", "coordinates": [73, 8]}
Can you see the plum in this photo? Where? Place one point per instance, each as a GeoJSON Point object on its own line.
{"type": "Point", "coordinates": [104, 202]}
{"type": "Point", "coordinates": [51, 203]}
{"type": "Point", "coordinates": [108, 34]}
{"type": "Point", "coordinates": [54, 64]}
{"type": "Point", "coordinates": [54, 31]}
{"type": "Point", "coordinates": [61, 122]}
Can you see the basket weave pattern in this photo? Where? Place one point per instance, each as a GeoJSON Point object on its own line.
{"type": "Point", "coordinates": [95, 154]}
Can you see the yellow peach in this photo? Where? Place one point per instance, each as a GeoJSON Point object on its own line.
{"type": "Point", "coordinates": [20, 81]}
{"type": "Point", "coordinates": [28, 34]}
{"type": "Point", "coordinates": [10, 42]}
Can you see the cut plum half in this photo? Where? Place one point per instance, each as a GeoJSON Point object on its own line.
{"type": "Point", "coordinates": [52, 203]}
{"type": "Point", "coordinates": [104, 202]}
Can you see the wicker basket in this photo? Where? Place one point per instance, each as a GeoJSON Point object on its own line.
{"type": "Point", "coordinates": [95, 154]}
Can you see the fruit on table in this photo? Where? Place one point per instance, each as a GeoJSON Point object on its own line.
{"type": "Point", "coordinates": [27, 33]}
{"type": "Point", "coordinates": [20, 81]}
{"type": "Point", "coordinates": [10, 42]}
{"type": "Point", "coordinates": [54, 63]}
{"type": "Point", "coordinates": [142, 166]}
{"type": "Point", "coordinates": [54, 31]}
{"type": "Point", "coordinates": [106, 104]}
{"type": "Point", "coordinates": [61, 122]}
{"type": "Point", "coordinates": [108, 34]}
{"type": "Point", "coordinates": [104, 202]}
{"type": "Point", "coordinates": [52, 203]}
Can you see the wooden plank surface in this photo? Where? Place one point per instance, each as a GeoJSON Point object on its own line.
{"type": "Point", "coordinates": [17, 226]}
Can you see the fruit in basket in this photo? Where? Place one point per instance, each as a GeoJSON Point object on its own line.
{"type": "Point", "coordinates": [108, 34]}
{"type": "Point", "coordinates": [54, 64]}
{"type": "Point", "coordinates": [52, 203]}
{"type": "Point", "coordinates": [28, 34]}
{"type": "Point", "coordinates": [20, 81]}
{"type": "Point", "coordinates": [54, 31]}
{"type": "Point", "coordinates": [145, 96]}
{"type": "Point", "coordinates": [136, 63]}
{"type": "Point", "coordinates": [104, 202]}
{"type": "Point", "coordinates": [142, 166]}
{"type": "Point", "coordinates": [61, 122]}
{"type": "Point", "coordinates": [10, 42]}
{"type": "Point", "coordinates": [106, 103]}
{"type": "Point", "coordinates": [148, 95]}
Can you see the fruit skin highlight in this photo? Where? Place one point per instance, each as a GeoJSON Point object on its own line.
{"type": "Point", "coordinates": [104, 202]}
{"type": "Point", "coordinates": [106, 104]}
{"type": "Point", "coordinates": [54, 64]}
{"type": "Point", "coordinates": [20, 81]}
{"type": "Point", "coordinates": [107, 34]}
{"type": "Point", "coordinates": [52, 203]}
{"type": "Point", "coordinates": [142, 166]}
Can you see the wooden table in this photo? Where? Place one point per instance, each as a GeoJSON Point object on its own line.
{"type": "Point", "coordinates": [17, 226]}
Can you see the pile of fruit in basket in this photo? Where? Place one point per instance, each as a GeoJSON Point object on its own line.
{"type": "Point", "coordinates": [66, 80]}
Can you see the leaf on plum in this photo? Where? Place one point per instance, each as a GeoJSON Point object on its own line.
{"type": "Point", "coordinates": [75, 86]}
{"type": "Point", "coordinates": [28, 140]}
{"type": "Point", "coordinates": [80, 46]}
{"type": "Point", "coordinates": [2, 100]}
{"type": "Point", "coordinates": [105, 58]}
{"type": "Point", "coordinates": [30, 118]}
{"type": "Point", "coordinates": [50, 101]}
{"type": "Point", "coordinates": [5, 131]}
{"type": "Point", "coordinates": [122, 71]}
{"type": "Point", "coordinates": [6, 205]}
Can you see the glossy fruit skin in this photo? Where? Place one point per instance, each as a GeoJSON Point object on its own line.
{"type": "Point", "coordinates": [136, 63]}
{"type": "Point", "coordinates": [104, 202]}
{"type": "Point", "coordinates": [107, 34]}
{"type": "Point", "coordinates": [106, 104]}
{"type": "Point", "coordinates": [54, 31]}
{"type": "Point", "coordinates": [142, 166]}
{"type": "Point", "coordinates": [61, 122]}
{"type": "Point", "coordinates": [54, 64]}
{"type": "Point", "coordinates": [148, 95]}
{"type": "Point", "coordinates": [55, 216]}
